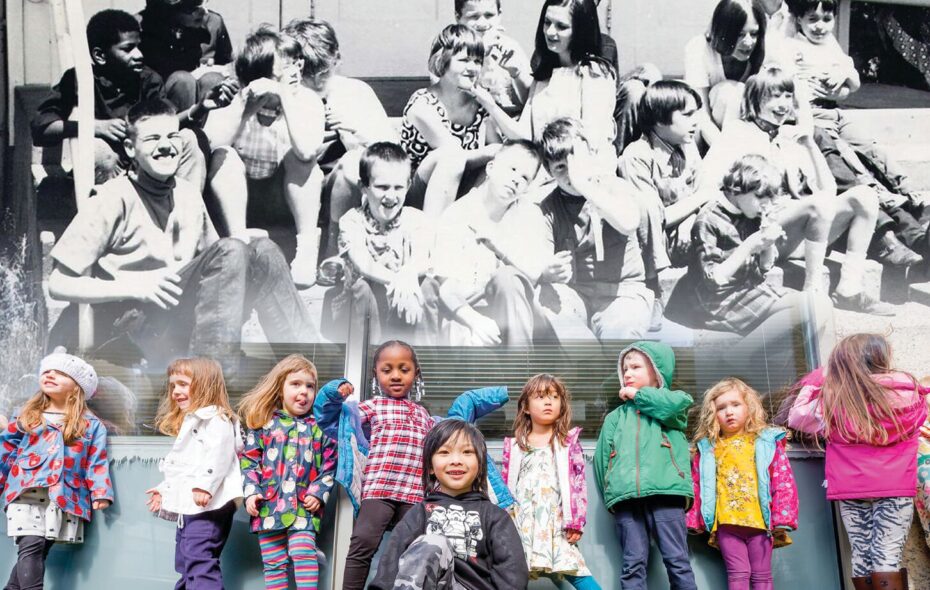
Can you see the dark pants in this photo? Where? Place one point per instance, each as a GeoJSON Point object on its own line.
{"type": "Point", "coordinates": [663, 519]}
{"type": "Point", "coordinates": [220, 288]}
{"type": "Point", "coordinates": [366, 303]}
{"type": "Point", "coordinates": [198, 544]}
{"type": "Point", "coordinates": [29, 571]}
{"type": "Point", "coordinates": [374, 518]}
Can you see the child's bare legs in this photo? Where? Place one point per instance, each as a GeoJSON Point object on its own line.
{"type": "Point", "coordinates": [808, 220]}
{"type": "Point", "coordinates": [228, 182]}
{"type": "Point", "coordinates": [192, 164]}
{"type": "Point", "coordinates": [303, 186]}
{"type": "Point", "coordinates": [441, 172]}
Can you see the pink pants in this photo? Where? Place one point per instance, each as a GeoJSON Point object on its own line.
{"type": "Point", "coordinates": [747, 553]}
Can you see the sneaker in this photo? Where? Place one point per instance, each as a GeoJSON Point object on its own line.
{"type": "Point", "coordinates": [863, 304]}
{"type": "Point", "coordinates": [891, 251]}
{"type": "Point", "coordinates": [303, 267]}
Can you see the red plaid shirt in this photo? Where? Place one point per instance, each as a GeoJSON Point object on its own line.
{"type": "Point", "coordinates": [395, 458]}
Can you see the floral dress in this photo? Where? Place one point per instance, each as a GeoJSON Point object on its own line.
{"type": "Point", "coordinates": [737, 483]}
{"type": "Point", "coordinates": [538, 516]}
{"type": "Point", "coordinates": [415, 144]}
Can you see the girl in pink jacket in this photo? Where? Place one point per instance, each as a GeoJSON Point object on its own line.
{"type": "Point", "coordinates": [545, 470]}
{"type": "Point", "coordinates": [874, 416]}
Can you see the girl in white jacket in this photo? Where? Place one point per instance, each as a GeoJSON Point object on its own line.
{"type": "Point", "coordinates": [202, 486]}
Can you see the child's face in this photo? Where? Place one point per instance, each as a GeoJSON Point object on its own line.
{"type": "Point", "coordinates": [544, 407]}
{"type": "Point", "coordinates": [557, 29]}
{"type": "Point", "coordinates": [683, 125]}
{"type": "Point", "coordinates": [817, 25]}
{"type": "Point", "coordinates": [155, 146]}
{"type": "Point", "coordinates": [510, 172]}
{"type": "Point", "coordinates": [480, 15]}
{"type": "Point", "coordinates": [777, 108]}
{"type": "Point", "coordinates": [57, 385]}
{"type": "Point", "coordinates": [286, 70]}
{"type": "Point", "coordinates": [746, 42]}
{"type": "Point", "coordinates": [752, 205]}
{"type": "Point", "coordinates": [299, 392]}
{"type": "Point", "coordinates": [125, 56]}
{"type": "Point", "coordinates": [396, 371]}
{"type": "Point", "coordinates": [732, 412]}
{"type": "Point", "coordinates": [638, 371]}
{"type": "Point", "coordinates": [771, 6]}
{"type": "Point", "coordinates": [463, 70]}
{"type": "Point", "coordinates": [387, 189]}
{"type": "Point", "coordinates": [455, 465]}
{"type": "Point", "coordinates": [179, 388]}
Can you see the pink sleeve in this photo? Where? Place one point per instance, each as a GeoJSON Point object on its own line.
{"type": "Point", "coordinates": [784, 491]}
{"type": "Point", "coordinates": [505, 461]}
{"type": "Point", "coordinates": [579, 487]}
{"type": "Point", "coordinates": [806, 415]}
{"type": "Point", "coordinates": [694, 520]}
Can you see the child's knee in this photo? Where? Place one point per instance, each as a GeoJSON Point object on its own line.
{"type": "Point", "coordinates": [227, 160]}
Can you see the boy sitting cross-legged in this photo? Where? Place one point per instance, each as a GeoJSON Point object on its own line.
{"type": "Point", "coordinates": [156, 272]}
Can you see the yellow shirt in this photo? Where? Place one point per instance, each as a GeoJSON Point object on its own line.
{"type": "Point", "coordinates": [737, 484]}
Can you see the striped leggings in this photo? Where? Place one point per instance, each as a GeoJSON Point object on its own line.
{"type": "Point", "coordinates": [877, 530]}
{"type": "Point", "coordinates": [298, 546]}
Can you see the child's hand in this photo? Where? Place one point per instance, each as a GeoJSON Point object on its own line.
{"type": "Point", "coordinates": [159, 286]}
{"type": "Point", "coordinates": [581, 164]}
{"type": "Point", "coordinates": [154, 501]}
{"type": "Point", "coordinates": [482, 95]}
{"type": "Point", "coordinates": [558, 269]}
{"type": "Point", "coordinates": [628, 393]}
{"type": "Point", "coordinates": [221, 95]}
{"type": "Point", "coordinates": [251, 504]}
{"type": "Point", "coordinates": [925, 431]}
{"type": "Point", "coordinates": [202, 497]}
{"type": "Point", "coordinates": [312, 503]}
{"type": "Point", "coordinates": [572, 536]}
{"type": "Point", "coordinates": [484, 329]}
{"type": "Point", "coordinates": [345, 390]}
{"type": "Point", "coordinates": [111, 129]}
{"type": "Point", "coordinates": [100, 504]}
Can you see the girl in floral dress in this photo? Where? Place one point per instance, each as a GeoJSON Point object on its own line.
{"type": "Point", "coordinates": [748, 508]}
{"type": "Point", "coordinates": [545, 470]}
{"type": "Point", "coordinates": [288, 466]}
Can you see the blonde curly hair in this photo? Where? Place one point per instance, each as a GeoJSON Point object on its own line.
{"type": "Point", "coordinates": [708, 425]}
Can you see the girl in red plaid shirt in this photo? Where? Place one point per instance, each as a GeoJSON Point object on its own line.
{"type": "Point", "coordinates": [393, 474]}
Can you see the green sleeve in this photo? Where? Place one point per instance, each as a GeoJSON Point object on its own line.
{"type": "Point", "coordinates": [603, 449]}
{"type": "Point", "coordinates": [670, 407]}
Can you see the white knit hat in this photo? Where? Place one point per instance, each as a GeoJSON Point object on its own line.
{"type": "Point", "coordinates": [78, 369]}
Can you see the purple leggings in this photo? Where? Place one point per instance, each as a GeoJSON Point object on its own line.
{"type": "Point", "coordinates": [747, 553]}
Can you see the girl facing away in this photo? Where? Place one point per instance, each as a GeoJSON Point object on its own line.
{"type": "Point", "coordinates": [53, 466]}
{"type": "Point", "coordinates": [288, 466]}
{"type": "Point", "coordinates": [202, 486]}
{"type": "Point", "coordinates": [745, 495]}
{"type": "Point", "coordinates": [456, 537]}
{"type": "Point", "coordinates": [544, 467]}
{"type": "Point", "coordinates": [870, 415]}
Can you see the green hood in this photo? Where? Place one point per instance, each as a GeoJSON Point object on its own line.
{"type": "Point", "coordinates": [660, 355]}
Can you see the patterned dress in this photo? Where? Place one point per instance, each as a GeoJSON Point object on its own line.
{"type": "Point", "coordinates": [538, 516]}
{"type": "Point", "coordinates": [415, 144]}
{"type": "Point", "coordinates": [737, 483]}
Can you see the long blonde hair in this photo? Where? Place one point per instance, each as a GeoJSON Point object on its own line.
{"type": "Point", "coordinates": [540, 385]}
{"type": "Point", "coordinates": [75, 423]}
{"type": "Point", "coordinates": [853, 401]}
{"type": "Point", "coordinates": [207, 389]}
{"type": "Point", "coordinates": [259, 405]}
{"type": "Point", "coordinates": [709, 426]}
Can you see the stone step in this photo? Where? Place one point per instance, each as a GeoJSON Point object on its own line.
{"type": "Point", "coordinates": [892, 126]}
{"type": "Point", "coordinates": [920, 293]}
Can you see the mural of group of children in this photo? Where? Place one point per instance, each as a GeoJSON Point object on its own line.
{"type": "Point", "coordinates": [522, 199]}
{"type": "Point", "coordinates": [458, 521]}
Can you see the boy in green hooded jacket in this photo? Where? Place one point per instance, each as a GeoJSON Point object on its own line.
{"type": "Point", "coordinates": [642, 465]}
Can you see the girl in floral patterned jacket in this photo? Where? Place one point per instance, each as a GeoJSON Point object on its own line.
{"type": "Point", "coordinates": [744, 489]}
{"type": "Point", "coordinates": [288, 466]}
{"type": "Point", "coordinates": [544, 468]}
{"type": "Point", "coordinates": [53, 466]}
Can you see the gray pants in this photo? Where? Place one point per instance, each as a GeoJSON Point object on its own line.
{"type": "Point", "coordinates": [877, 530]}
{"type": "Point", "coordinates": [428, 564]}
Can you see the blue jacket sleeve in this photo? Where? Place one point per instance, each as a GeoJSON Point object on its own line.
{"type": "Point", "coordinates": [477, 403]}
{"type": "Point", "coordinates": [327, 407]}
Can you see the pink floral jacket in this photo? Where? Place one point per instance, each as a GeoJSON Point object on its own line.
{"type": "Point", "coordinates": [570, 463]}
{"type": "Point", "coordinates": [778, 492]}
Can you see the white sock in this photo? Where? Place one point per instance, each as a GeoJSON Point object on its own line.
{"type": "Point", "coordinates": [851, 273]}
{"type": "Point", "coordinates": [814, 253]}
